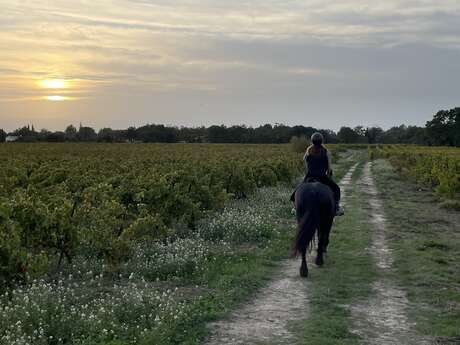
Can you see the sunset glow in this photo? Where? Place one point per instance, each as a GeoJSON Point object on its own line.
{"type": "Point", "coordinates": [56, 98]}
{"type": "Point", "coordinates": [54, 84]}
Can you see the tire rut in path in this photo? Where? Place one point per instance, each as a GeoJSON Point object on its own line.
{"type": "Point", "coordinates": [382, 320]}
{"type": "Point", "coordinates": [266, 318]}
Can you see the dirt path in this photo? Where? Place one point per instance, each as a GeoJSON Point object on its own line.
{"type": "Point", "coordinates": [345, 183]}
{"type": "Point", "coordinates": [382, 320]}
{"type": "Point", "coordinates": [267, 317]}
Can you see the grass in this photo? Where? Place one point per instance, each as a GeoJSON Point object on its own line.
{"type": "Point", "coordinates": [230, 280]}
{"type": "Point", "coordinates": [425, 239]}
{"type": "Point", "coordinates": [450, 205]}
{"type": "Point", "coordinates": [346, 277]}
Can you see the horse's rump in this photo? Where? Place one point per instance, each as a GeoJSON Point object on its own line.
{"type": "Point", "coordinates": [314, 206]}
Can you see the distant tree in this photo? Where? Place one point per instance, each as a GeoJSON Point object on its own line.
{"type": "Point", "coordinates": [348, 135]}
{"type": "Point", "coordinates": [25, 134]}
{"type": "Point", "coordinates": [56, 137]}
{"type": "Point", "coordinates": [361, 131]}
{"type": "Point", "coordinates": [373, 134]}
{"type": "Point", "coordinates": [444, 128]}
{"type": "Point", "coordinates": [281, 133]}
{"type": "Point", "coordinates": [131, 134]}
{"type": "Point", "coordinates": [330, 137]}
{"type": "Point", "coordinates": [299, 131]}
{"type": "Point", "coordinates": [21, 131]}
{"type": "Point", "coordinates": [395, 135]}
{"type": "Point", "coordinates": [86, 134]}
{"type": "Point", "coordinates": [236, 134]}
{"type": "Point", "coordinates": [71, 133]}
{"type": "Point", "coordinates": [263, 134]}
{"type": "Point", "coordinates": [106, 135]}
{"type": "Point", "coordinates": [157, 134]}
{"type": "Point", "coordinates": [43, 135]}
{"type": "Point", "coordinates": [417, 135]}
{"type": "Point", "coordinates": [217, 134]}
{"type": "Point", "coordinates": [2, 136]}
{"type": "Point", "coordinates": [192, 135]}
{"type": "Point", "coordinates": [119, 135]}
{"type": "Point", "coordinates": [250, 136]}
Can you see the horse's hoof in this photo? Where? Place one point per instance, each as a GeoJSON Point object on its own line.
{"type": "Point", "coordinates": [319, 260]}
{"type": "Point", "coordinates": [304, 271]}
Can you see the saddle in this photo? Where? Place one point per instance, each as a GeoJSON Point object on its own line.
{"type": "Point", "coordinates": [307, 179]}
{"type": "Point", "coordinates": [311, 179]}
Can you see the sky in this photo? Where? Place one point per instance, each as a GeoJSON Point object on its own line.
{"type": "Point", "coordinates": [320, 63]}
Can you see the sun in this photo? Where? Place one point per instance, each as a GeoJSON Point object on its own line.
{"type": "Point", "coordinates": [56, 98]}
{"type": "Point", "coordinates": [54, 83]}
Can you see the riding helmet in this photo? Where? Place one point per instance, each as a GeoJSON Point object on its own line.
{"type": "Point", "coordinates": [317, 138]}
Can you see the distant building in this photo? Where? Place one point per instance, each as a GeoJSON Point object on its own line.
{"type": "Point", "coordinates": [11, 138]}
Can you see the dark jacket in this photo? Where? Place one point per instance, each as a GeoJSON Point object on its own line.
{"type": "Point", "coordinates": [318, 165]}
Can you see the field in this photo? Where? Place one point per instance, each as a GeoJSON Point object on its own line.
{"type": "Point", "coordinates": [433, 167]}
{"type": "Point", "coordinates": [147, 244]}
{"type": "Point", "coordinates": [62, 200]}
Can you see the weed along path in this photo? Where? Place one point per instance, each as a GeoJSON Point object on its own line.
{"type": "Point", "coordinates": [382, 319]}
{"type": "Point", "coordinates": [269, 318]}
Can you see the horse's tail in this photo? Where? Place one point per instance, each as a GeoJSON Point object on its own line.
{"type": "Point", "coordinates": [307, 226]}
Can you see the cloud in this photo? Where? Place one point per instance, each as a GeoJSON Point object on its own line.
{"type": "Point", "coordinates": [354, 21]}
{"type": "Point", "coordinates": [272, 59]}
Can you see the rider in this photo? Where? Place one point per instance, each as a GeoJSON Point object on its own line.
{"type": "Point", "coordinates": [319, 167]}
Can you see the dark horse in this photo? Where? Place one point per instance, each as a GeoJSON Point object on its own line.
{"type": "Point", "coordinates": [315, 210]}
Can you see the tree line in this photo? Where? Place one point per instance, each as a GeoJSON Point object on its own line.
{"type": "Point", "coordinates": [443, 129]}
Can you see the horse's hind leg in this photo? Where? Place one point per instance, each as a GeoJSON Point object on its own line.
{"type": "Point", "coordinates": [327, 232]}
{"type": "Point", "coordinates": [323, 242]}
{"type": "Point", "coordinates": [319, 261]}
{"type": "Point", "coordinates": [303, 266]}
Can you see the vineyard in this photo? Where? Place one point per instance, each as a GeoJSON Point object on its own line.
{"type": "Point", "coordinates": [57, 201]}
{"type": "Point", "coordinates": [435, 167]}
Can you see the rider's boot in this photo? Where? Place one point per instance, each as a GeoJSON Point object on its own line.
{"type": "Point", "coordinates": [339, 211]}
{"type": "Point", "coordinates": [292, 198]}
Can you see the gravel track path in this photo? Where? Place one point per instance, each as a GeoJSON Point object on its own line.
{"type": "Point", "coordinates": [382, 320]}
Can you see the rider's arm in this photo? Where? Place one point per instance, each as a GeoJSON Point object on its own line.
{"type": "Point", "coordinates": [329, 163]}
{"type": "Point", "coordinates": [307, 152]}
{"type": "Point", "coordinates": [305, 160]}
